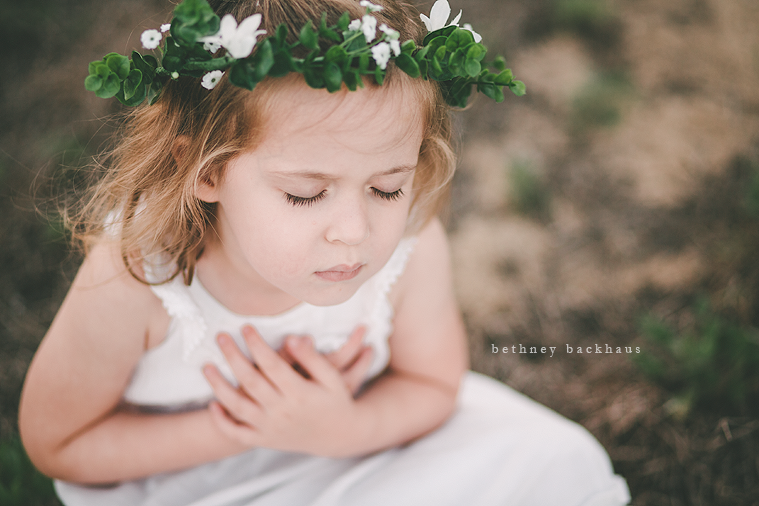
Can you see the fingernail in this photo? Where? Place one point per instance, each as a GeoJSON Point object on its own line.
{"type": "Point", "coordinates": [207, 369]}
{"type": "Point", "coordinates": [223, 339]}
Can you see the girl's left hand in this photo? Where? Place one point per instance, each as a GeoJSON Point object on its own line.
{"type": "Point", "coordinates": [275, 406]}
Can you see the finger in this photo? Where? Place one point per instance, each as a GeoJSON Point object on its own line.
{"type": "Point", "coordinates": [284, 352]}
{"type": "Point", "coordinates": [354, 377]}
{"type": "Point", "coordinates": [348, 352]}
{"type": "Point", "coordinates": [250, 379]}
{"type": "Point", "coordinates": [245, 434]}
{"type": "Point", "coordinates": [238, 405]}
{"type": "Point", "coordinates": [313, 362]}
{"type": "Point", "coordinates": [274, 368]}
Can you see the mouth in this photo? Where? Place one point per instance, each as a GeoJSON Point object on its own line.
{"type": "Point", "coordinates": [340, 272]}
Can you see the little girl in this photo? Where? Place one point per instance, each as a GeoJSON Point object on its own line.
{"type": "Point", "coordinates": [265, 313]}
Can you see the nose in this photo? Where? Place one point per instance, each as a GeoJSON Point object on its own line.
{"type": "Point", "coordinates": [350, 222]}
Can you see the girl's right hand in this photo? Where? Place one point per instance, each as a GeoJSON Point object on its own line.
{"type": "Point", "coordinates": [353, 359]}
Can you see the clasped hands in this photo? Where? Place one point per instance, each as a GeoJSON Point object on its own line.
{"type": "Point", "coordinates": [276, 406]}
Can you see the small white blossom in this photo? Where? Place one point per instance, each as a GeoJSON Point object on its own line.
{"type": "Point", "coordinates": [372, 7]}
{"type": "Point", "coordinates": [211, 47]}
{"type": "Point", "coordinates": [439, 15]}
{"type": "Point", "coordinates": [237, 40]}
{"type": "Point", "coordinates": [369, 27]}
{"type": "Point", "coordinates": [381, 54]}
{"type": "Point", "coordinates": [390, 34]}
{"type": "Point", "coordinates": [165, 27]}
{"type": "Point", "coordinates": [477, 36]}
{"type": "Point", "coordinates": [211, 79]}
{"type": "Point", "coordinates": [355, 25]}
{"type": "Point", "coordinates": [150, 39]}
{"type": "Point", "coordinates": [396, 47]}
{"type": "Point", "coordinates": [175, 75]}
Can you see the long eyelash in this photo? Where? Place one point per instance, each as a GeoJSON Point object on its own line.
{"type": "Point", "coordinates": [391, 196]}
{"type": "Point", "coordinates": [305, 201]}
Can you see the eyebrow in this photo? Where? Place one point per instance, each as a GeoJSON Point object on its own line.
{"type": "Point", "coordinates": [321, 176]}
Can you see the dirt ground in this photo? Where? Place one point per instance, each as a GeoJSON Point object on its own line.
{"type": "Point", "coordinates": [611, 191]}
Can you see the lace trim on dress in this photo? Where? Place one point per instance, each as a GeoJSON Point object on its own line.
{"type": "Point", "coordinates": [180, 306]}
{"type": "Point", "coordinates": [396, 265]}
{"type": "Point", "coordinates": [188, 318]}
{"type": "Point", "coordinates": [383, 312]}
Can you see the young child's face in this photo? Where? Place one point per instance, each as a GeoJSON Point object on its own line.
{"type": "Point", "coordinates": [320, 204]}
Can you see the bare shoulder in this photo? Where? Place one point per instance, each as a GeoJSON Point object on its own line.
{"type": "Point", "coordinates": [104, 295]}
{"type": "Point", "coordinates": [86, 359]}
{"type": "Point", "coordinates": [429, 338]}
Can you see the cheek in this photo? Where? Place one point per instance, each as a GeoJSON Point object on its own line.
{"type": "Point", "coordinates": [277, 245]}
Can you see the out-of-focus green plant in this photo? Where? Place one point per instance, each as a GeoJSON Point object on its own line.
{"type": "Point", "coordinates": [713, 363]}
{"type": "Point", "coordinates": [599, 103]}
{"type": "Point", "coordinates": [751, 199]}
{"type": "Point", "coordinates": [582, 15]}
{"type": "Point", "coordinates": [529, 192]}
{"type": "Point", "coordinates": [20, 482]}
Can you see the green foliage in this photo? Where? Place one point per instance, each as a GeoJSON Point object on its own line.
{"type": "Point", "coordinates": [600, 102]}
{"type": "Point", "coordinates": [582, 15]}
{"type": "Point", "coordinates": [20, 483]}
{"type": "Point", "coordinates": [335, 55]}
{"type": "Point", "coordinates": [751, 198]}
{"type": "Point", "coordinates": [193, 19]}
{"type": "Point", "coordinates": [529, 193]}
{"type": "Point", "coordinates": [712, 363]}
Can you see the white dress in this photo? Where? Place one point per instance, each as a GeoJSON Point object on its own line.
{"type": "Point", "coordinates": [499, 447]}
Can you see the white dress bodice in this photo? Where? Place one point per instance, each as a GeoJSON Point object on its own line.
{"type": "Point", "coordinates": [169, 377]}
{"type": "Point", "coordinates": [498, 448]}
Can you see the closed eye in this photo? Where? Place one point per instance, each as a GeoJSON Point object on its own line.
{"type": "Point", "coordinates": [391, 196]}
{"type": "Point", "coordinates": [305, 201]}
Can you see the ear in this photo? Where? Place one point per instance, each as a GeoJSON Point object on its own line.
{"type": "Point", "coordinates": [205, 187]}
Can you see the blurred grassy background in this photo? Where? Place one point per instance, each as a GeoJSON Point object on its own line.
{"type": "Point", "coordinates": [617, 203]}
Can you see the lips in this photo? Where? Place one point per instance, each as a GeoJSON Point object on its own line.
{"type": "Point", "coordinates": [340, 272]}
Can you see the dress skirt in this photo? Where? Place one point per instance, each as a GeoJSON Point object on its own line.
{"type": "Point", "coordinates": [499, 448]}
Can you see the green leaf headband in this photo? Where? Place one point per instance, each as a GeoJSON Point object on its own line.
{"type": "Point", "coordinates": [336, 54]}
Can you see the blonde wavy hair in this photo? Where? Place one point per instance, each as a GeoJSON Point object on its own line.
{"type": "Point", "coordinates": [147, 200]}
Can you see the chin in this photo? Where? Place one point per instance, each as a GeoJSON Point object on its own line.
{"type": "Point", "coordinates": [333, 295]}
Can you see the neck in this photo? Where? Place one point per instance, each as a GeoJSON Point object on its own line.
{"type": "Point", "coordinates": [237, 286]}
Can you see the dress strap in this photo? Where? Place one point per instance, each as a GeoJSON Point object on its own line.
{"type": "Point", "coordinates": [396, 265]}
{"type": "Point", "coordinates": [382, 314]}
{"type": "Point", "coordinates": [180, 306]}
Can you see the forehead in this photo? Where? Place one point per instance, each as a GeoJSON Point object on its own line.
{"type": "Point", "coordinates": [373, 120]}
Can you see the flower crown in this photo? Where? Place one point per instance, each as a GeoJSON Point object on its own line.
{"type": "Point", "coordinates": [337, 54]}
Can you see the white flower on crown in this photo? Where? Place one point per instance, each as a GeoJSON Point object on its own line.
{"type": "Point", "coordinates": [369, 27]}
{"type": "Point", "coordinates": [239, 41]}
{"type": "Point", "coordinates": [381, 54]}
{"type": "Point", "coordinates": [165, 27]}
{"type": "Point", "coordinates": [211, 47]}
{"type": "Point", "coordinates": [211, 79]}
{"type": "Point", "coordinates": [367, 24]}
{"type": "Point", "coordinates": [389, 32]}
{"type": "Point", "coordinates": [150, 39]}
{"type": "Point", "coordinates": [372, 7]}
{"type": "Point", "coordinates": [439, 15]}
{"type": "Point", "coordinates": [392, 37]}
{"type": "Point", "coordinates": [477, 36]}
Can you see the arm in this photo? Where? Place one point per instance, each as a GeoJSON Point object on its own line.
{"type": "Point", "coordinates": [69, 418]}
{"type": "Point", "coordinates": [415, 395]}
{"type": "Point", "coordinates": [428, 352]}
